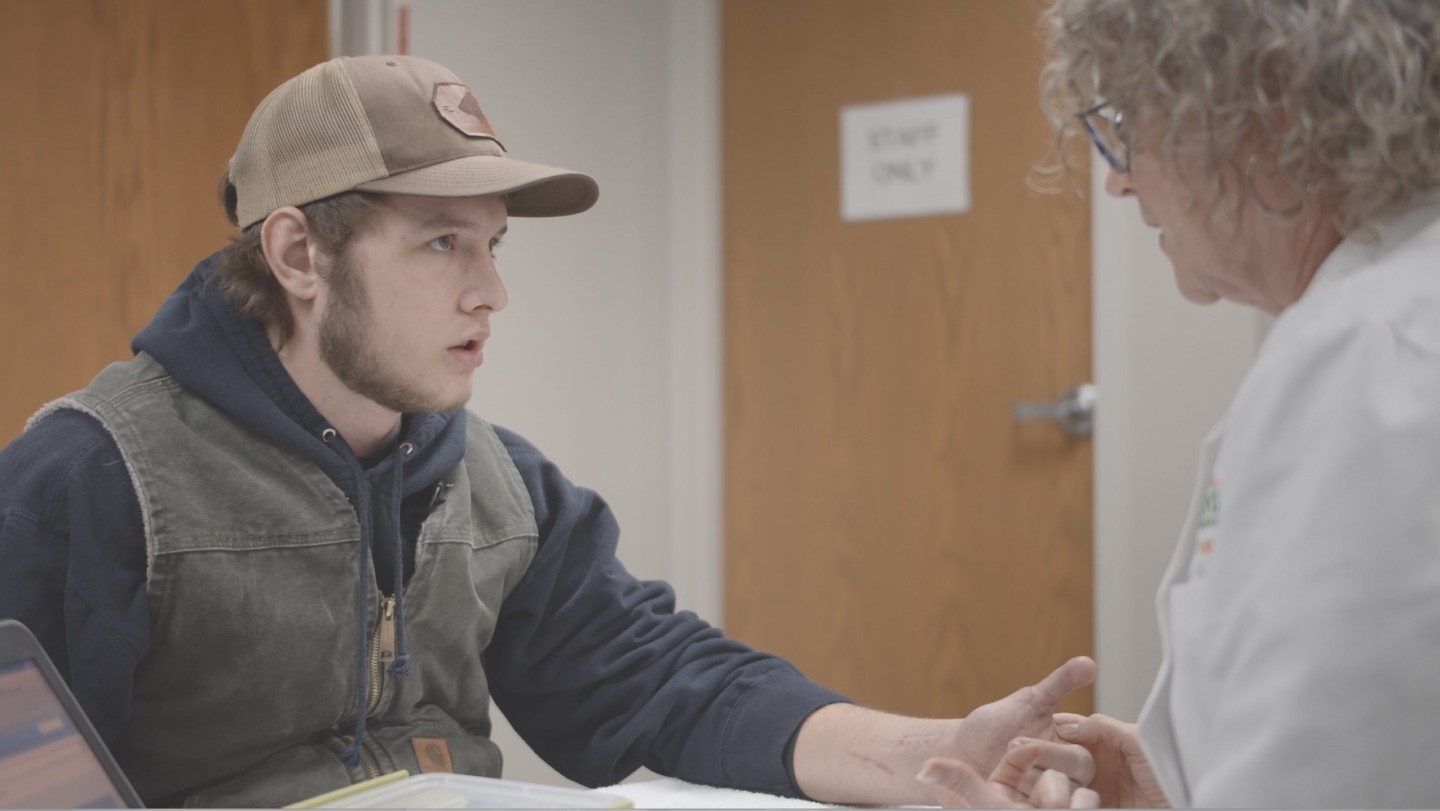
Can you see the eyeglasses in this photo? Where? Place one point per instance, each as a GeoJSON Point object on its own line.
{"type": "Point", "coordinates": [1103, 124]}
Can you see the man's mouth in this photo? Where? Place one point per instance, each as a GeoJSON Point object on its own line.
{"type": "Point", "coordinates": [470, 353]}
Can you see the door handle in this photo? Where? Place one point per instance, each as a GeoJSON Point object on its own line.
{"type": "Point", "coordinates": [1074, 411]}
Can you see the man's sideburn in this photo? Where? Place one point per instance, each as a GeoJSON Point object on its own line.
{"type": "Point", "coordinates": [346, 347]}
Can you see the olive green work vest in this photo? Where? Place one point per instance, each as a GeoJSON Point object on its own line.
{"type": "Point", "coordinates": [252, 560]}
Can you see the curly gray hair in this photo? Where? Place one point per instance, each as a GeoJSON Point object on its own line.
{"type": "Point", "coordinates": [1346, 92]}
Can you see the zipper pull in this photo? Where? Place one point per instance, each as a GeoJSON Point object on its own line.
{"type": "Point", "coordinates": [442, 489]}
{"type": "Point", "coordinates": [387, 630]}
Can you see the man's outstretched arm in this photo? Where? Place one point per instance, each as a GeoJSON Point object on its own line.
{"type": "Point", "coordinates": [850, 754]}
{"type": "Point", "coordinates": [600, 675]}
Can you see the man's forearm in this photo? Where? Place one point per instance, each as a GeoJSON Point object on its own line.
{"type": "Point", "coordinates": [849, 754]}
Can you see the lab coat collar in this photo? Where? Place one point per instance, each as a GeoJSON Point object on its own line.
{"type": "Point", "coordinates": [1367, 245]}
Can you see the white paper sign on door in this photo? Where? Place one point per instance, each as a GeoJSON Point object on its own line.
{"type": "Point", "coordinates": [906, 158]}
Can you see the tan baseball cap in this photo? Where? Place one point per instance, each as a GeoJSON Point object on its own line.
{"type": "Point", "coordinates": [395, 124]}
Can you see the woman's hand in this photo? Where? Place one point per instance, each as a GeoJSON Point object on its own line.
{"type": "Point", "coordinates": [1031, 774]}
{"type": "Point", "coordinates": [1123, 777]}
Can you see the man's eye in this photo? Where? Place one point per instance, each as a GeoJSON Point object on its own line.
{"type": "Point", "coordinates": [442, 244]}
{"type": "Point", "coordinates": [495, 245]}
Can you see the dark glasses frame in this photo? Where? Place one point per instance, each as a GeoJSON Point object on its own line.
{"type": "Point", "coordinates": [1119, 162]}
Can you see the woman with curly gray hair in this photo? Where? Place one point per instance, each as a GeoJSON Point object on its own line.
{"type": "Point", "coordinates": [1289, 153]}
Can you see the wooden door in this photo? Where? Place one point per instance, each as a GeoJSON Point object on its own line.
{"type": "Point", "coordinates": [117, 122]}
{"type": "Point", "coordinates": [888, 527]}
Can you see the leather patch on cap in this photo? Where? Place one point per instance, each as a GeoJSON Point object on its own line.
{"type": "Point", "coordinates": [433, 754]}
{"type": "Point", "coordinates": [458, 106]}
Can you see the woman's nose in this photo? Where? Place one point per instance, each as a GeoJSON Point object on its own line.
{"type": "Point", "coordinates": [1117, 183]}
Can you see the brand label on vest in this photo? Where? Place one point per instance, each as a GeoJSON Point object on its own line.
{"type": "Point", "coordinates": [433, 754]}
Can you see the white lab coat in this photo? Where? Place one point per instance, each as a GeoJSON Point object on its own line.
{"type": "Point", "coordinates": [1301, 612]}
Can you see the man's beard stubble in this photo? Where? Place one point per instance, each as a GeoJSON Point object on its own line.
{"type": "Point", "coordinates": [346, 348]}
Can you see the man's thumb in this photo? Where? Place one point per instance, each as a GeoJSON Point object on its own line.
{"type": "Point", "coordinates": [1066, 678]}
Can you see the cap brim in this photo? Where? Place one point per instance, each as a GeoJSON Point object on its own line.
{"type": "Point", "coordinates": [532, 190]}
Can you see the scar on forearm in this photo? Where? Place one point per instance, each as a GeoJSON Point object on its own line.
{"type": "Point", "coordinates": [873, 762]}
{"type": "Point", "coordinates": [922, 737]}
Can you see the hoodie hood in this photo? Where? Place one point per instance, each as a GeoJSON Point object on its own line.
{"type": "Point", "coordinates": [226, 358]}
{"type": "Point", "coordinates": [215, 352]}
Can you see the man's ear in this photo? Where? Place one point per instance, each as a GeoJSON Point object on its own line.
{"type": "Point", "coordinates": [290, 251]}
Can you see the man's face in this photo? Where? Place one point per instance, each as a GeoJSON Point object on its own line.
{"type": "Point", "coordinates": [409, 302]}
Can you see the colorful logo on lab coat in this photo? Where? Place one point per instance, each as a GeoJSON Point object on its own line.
{"type": "Point", "coordinates": [1205, 530]}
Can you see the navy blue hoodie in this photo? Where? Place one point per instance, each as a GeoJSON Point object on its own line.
{"type": "Point", "coordinates": [595, 669]}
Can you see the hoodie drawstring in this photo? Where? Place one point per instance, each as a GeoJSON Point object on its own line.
{"type": "Point", "coordinates": [401, 667]}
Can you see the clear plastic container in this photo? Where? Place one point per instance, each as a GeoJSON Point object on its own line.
{"type": "Point", "coordinates": [464, 791]}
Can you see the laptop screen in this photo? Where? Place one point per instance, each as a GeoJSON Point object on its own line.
{"type": "Point", "coordinates": [44, 760]}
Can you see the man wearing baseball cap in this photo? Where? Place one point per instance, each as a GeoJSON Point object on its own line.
{"type": "Point", "coordinates": [275, 555]}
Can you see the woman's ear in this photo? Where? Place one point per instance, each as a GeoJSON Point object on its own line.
{"type": "Point", "coordinates": [286, 240]}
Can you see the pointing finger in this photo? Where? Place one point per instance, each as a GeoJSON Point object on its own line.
{"type": "Point", "coordinates": [1088, 731]}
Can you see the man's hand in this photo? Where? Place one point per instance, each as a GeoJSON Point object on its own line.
{"type": "Point", "coordinates": [1032, 774]}
{"type": "Point", "coordinates": [848, 754]}
{"type": "Point", "coordinates": [1123, 777]}
{"type": "Point", "coordinates": [1029, 712]}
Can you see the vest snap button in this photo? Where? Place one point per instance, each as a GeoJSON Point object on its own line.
{"type": "Point", "coordinates": [327, 434]}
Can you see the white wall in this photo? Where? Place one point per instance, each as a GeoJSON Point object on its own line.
{"type": "Point", "coordinates": [1166, 370]}
{"type": "Point", "coordinates": [607, 357]}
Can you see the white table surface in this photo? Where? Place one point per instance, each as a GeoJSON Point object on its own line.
{"type": "Point", "coordinates": [673, 793]}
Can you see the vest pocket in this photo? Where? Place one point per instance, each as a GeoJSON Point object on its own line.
{"type": "Point", "coordinates": [448, 743]}
{"type": "Point", "coordinates": [288, 776]}
{"type": "Point", "coordinates": [312, 768]}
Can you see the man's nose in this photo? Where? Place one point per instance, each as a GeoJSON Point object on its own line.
{"type": "Point", "coordinates": [1118, 183]}
{"type": "Point", "coordinates": [486, 290]}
